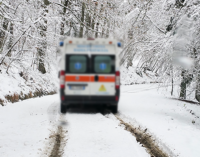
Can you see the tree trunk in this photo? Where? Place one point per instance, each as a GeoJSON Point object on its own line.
{"type": "Point", "coordinates": [108, 30]}
{"type": "Point", "coordinates": [197, 67]}
{"type": "Point", "coordinates": [97, 24]}
{"type": "Point", "coordinates": [197, 91]}
{"type": "Point", "coordinates": [62, 24]}
{"type": "Point", "coordinates": [172, 73]}
{"type": "Point", "coordinates": [88, 23]}
{"type": "Point", "coordinates": [82, 20]}
{"type": "Point", "coordinates": [94, 16]}
{"type": "Point", "coordinates": [3, 34]}
{"type": "Point", "coordinates": [42, 44]}
{"type": "Point", "coordinates": [183, 85]}
{"type": "Point", "coordinates": [103, 29]}
{"type": "Point", "coordinates": [10, 42]}
{"type": "Point", "coordinates": [97, 29]}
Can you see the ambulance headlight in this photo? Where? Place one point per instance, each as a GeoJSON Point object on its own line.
{"type": "Point", "coordinates": [119, 44]}
{"type": "Point", "coordinates": [61, 43]}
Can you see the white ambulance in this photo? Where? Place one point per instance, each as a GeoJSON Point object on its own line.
{"type": "Point", "coordinates": [89, 73]}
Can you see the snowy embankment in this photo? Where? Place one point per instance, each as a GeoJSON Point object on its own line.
{"type": "Point", "coordinates": [23, 84]}
{"type": "Point", "coordinates": [27, 127]}
{"type": "Point", "coordinates": [132, 75]}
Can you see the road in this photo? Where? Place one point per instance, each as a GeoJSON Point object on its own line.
{"type": "Point", "coordinates": [145, 126]}
{"type": "Point", "coordinates": [35, 128]}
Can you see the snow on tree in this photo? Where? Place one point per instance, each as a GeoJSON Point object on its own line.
{"type": "Point", "coordinates": [31, 29]}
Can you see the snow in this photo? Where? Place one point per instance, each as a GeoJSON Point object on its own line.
{"type": "Point", "coordinates": [94, 134]}
{"type": "Point", "coordinates": [169, 120]}
{"type": "Point", "coordinates": [131, 76]}
{"type": "Point", "coordinates": [26, 126]}
{"type": "Point", "coordinates": [31, 81]}
{"type": "Point", "coordinates": [134, 13]}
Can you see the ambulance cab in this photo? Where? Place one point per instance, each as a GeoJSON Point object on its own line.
{"type": "Point", "coordinates": [89, 73]}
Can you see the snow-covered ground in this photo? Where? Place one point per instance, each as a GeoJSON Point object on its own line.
{"type": "Point", "coordinates": [25, 127]}
{"type": "Point", "coordinates": [134, 75]}
{"type": "Point", "coordinates": [176, 124]}
{"type": "Point", "coordinates": [96, 135]}
{"type": "Point", "coordinates": [25, 81]}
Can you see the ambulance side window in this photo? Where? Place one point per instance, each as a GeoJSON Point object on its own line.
{"type": "Point", "coordinates": [104, 64]}
{"type": "Point", "coordinates": [77, 64]}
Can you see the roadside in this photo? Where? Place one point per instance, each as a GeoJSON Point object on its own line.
{"type": "Point", "coordinates": [25, 127]}
{"type": "Point", "coordinates": [23, 84]}
{"type": "Point", "coordinates": [174, 123]}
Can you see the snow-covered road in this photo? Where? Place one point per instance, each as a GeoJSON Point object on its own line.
{"type": "Point", "coordinates": [97, 135]}
{"type": "Point", "coordinates": [27, 128]}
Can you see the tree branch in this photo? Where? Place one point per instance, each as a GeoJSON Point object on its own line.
{"type": "Point", "coordinates": [78, 18]}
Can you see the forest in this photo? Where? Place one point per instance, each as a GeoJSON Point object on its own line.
{"type": "Point", "coordinates": [162, 36]}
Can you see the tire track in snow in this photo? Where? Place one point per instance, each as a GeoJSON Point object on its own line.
{"type": "Point", "coordinates": [57, 139]}
{"type": "Point", "coordinates": [59, 143]}
{"type": "Point", "coordinates": [55, 143]}
{"type": "Point", "coordinates": [142, 137]}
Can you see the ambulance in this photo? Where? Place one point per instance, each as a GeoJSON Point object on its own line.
{"type": "Point", "coordinates": [89, 73]}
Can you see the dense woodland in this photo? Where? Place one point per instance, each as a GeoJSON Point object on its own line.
{"type": "Point", "coordinates": [155, 33]}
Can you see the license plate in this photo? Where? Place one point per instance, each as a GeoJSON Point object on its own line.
{"type": "Point", "coordinates": [77, 87]}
